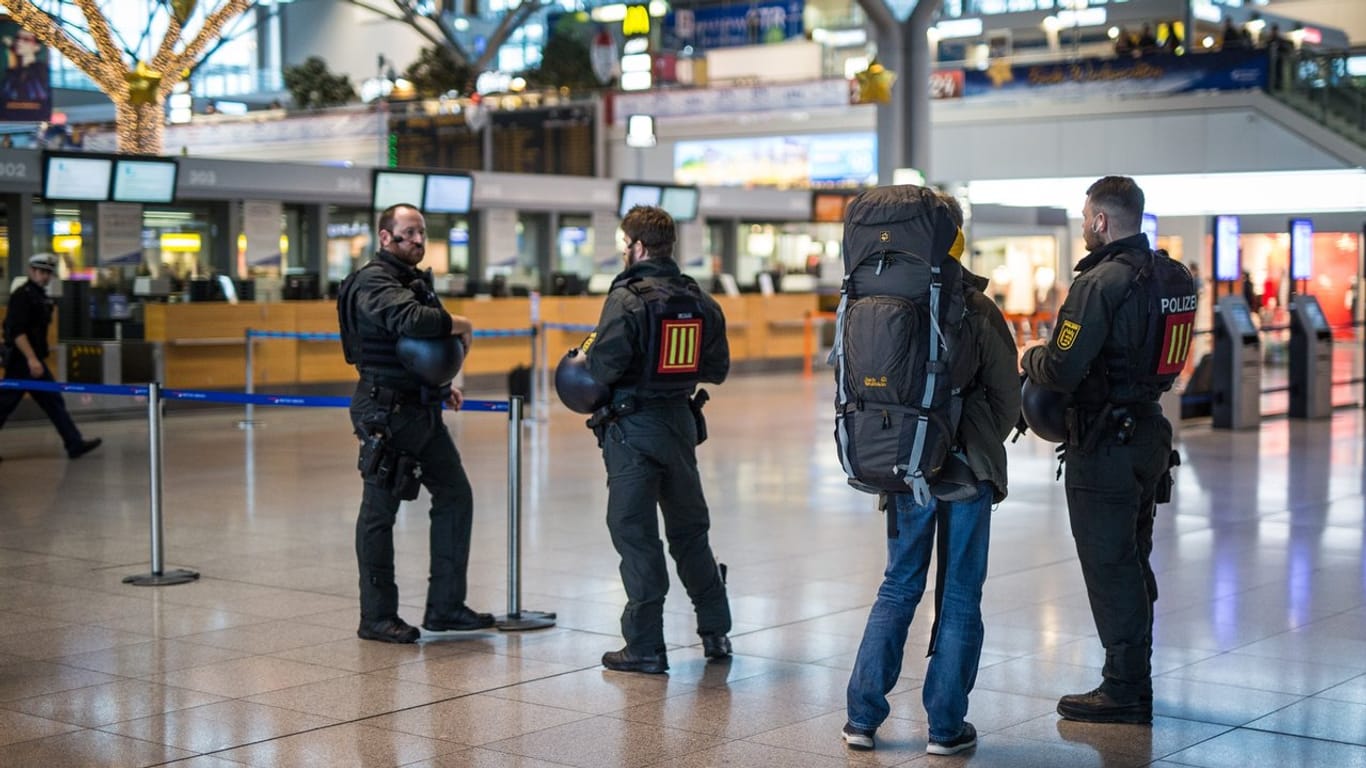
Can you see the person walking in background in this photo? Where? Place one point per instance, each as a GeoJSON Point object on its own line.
{"type": "Point", "coordinates": [991, 408]}
{"type": "Point", "coordinates": [25, 336]}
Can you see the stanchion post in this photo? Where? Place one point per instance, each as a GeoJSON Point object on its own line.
{"type": "Point", "coordinates": [517, 619]}
{"type": "Point", "coordinates": [157, 577]}
{"type": "Point", "coordinates": [249, 419]}
{"type": "Point", "coordinates": [808, 346]}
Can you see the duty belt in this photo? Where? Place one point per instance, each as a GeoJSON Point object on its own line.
{"type": "Point", "coordinates": [391, 397]}
{"type": "Point", "coordinates": [1086, 426]}
{"type": "Point", "coordinates": [628, 405]}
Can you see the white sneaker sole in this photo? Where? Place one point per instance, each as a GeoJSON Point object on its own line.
{"type": "Point", "coordinates": [944, 749]}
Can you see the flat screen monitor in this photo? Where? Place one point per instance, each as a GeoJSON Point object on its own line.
{"type": "Point", "coordinates": [1301, 249]}
{"type": "Point", "coordinates": [301, 286]}
{"type": "Point", "coordinates": [1242, 319]}
{"type": "Point", "coordinates": [637, 194]}
{"type": "Point", "coordinates": [566, 284]}
{"type": "Point", "coordinates": [1227, 265]}
{"type": "Point", "coordinates": [680, 202]}
{"type": "Point", "coordinates": [1149, 228]}
{"type": "Point", "coordinates": [829, 207]}
{"type": "Point", "coordinates": [77, 178]}
{"type": "Point", "coordinates": [394, 187]}
{"type": "Point", "coordinates": [144, 181]}
{"type": "Point", "coordinates": [448, 193]}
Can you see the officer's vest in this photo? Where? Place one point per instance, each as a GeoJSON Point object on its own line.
{"type": "Point", "coordinates": [364, 345]}
{"type": "Point", "coordinates": [1167, 289]}
{"type": "Point", "coordinates": [672, 334]}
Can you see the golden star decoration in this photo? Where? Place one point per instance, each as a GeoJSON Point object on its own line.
{"type": "Point", "coordinates": [875, 84]}
{"type": "Point", "coordinates": [183, 9]}
{"type": "Point", "coordinates": [142, 84]}
{"type": "Point", "coordinates": [1000, 72]}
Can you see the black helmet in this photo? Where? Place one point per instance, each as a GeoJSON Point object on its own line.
{"type": "Point", "coordinates": [434, 360]}
{"type": "Point", "coordinates": [578, 390]}
{"type": "Point", "coordinates": [1045, 411]}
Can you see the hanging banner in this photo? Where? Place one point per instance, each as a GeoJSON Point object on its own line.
{"type": "Point", "coordinates": [25, 87]}
{"type": "Point", "coordinates": [262, 226]}
{"type": "Point", "coordinates": [1117, 78]}
{"type": "Point", "coordinates": [118, 234]}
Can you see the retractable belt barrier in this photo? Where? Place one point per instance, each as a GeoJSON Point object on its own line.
{"type": "Point", "coordinates": [516, 619]}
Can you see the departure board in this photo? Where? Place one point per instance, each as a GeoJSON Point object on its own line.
{"type": "Point", "coordinates": [555, 140]}
{"type": "Point", "coordinates": [552, 140]}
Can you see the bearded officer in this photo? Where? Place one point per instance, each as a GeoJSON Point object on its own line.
{"type": "Point", "coordinates": [396, 413]}
{"type": "Point", "coordinates": [659, 335]}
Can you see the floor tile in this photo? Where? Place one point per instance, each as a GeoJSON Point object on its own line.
{"type": "Point", "coordinates": [606, 741]}
{"type": "Point", "coordinates": [220, 726]}
{"type": "Point", "coordinates": [477, 720]}
{"type": "Point", "coordinates": [247, 676]}
{"type": "Point", "coordinates": [340, 746]}
{"type": "Point", "coordinates": [112, 702]}
{"type": "Point", "coordinates": [353, 697]}
{"type": "Point", "coordinates": [89, 749]}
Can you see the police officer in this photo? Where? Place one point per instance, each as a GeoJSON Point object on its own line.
{"type": "Point", "coordinates": [25, 333]}
{"type": "Point", "coordinates": [659, 335]}
{"type": "Point", "coordinates": [397, 416]}
{"type": "Point", "coordinates": [1117, 448]}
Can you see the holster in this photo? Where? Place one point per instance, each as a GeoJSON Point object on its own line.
{"type": "Point", "coordinates": [696, 403]}
{"type": "Point", "coordinates": [1166, 481]}
{"type": "Point", "coordinates": [389, 469]}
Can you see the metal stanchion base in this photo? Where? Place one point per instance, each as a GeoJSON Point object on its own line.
{"type": "Point", "coordinates": [244, 424]}
{"type": "Point", "coordinates": [524, 620]}
{"type": "Point", "coordinates": [179, 576]}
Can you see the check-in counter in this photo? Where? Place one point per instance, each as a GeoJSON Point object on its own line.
{"type": "Point", "coordinates": [204, 344]}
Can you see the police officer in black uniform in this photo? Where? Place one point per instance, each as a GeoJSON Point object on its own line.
{"type": "Point", "coordinates": [1118, 447]}
{"type": "Point", "coordinates": [659, 335]}
{"type": "Point", "coordinates": [404, 442]}
{"type": "Point", "coordinates": [26, 322]}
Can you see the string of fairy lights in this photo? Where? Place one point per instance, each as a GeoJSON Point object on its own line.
{"type": "Point", "coordinates": [137, 88]}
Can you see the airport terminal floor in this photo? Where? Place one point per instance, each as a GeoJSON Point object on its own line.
{"type": "Point", "coordinates": [1260, 631]}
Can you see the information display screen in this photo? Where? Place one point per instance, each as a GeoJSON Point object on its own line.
{"type": "Point", "coordinates": [144, 181]}
{"type": "Point", "coordinates": [1301, 249]}
{"type": "Point", "coordinates": [1242, 319]}
{"type": "Point", "coordinates": [1314, 313]}
{"type": "Point", "coordinates": [1149, 228]}
{"type": "Point", "coordinates": [829, 206]}
{"type": "Point", "coordinates": [448, 193]}
{"type": "Point", "coordinates": [1227, 265]}
{"type": "Point", "coordinates": [77, 178]}
{"type": "Point", "coordinates": [394, 187]}
{"type": "Point", "coordinates": [637, 194]}
{"type": "Point", "coordinates": [680, 202]}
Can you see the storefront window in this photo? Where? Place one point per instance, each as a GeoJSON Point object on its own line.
{"type": "Point", "coordinates": [350, 241]}
{"type": "Point", "coordinates": [1023, 279]}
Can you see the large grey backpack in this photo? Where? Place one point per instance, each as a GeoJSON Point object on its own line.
{"type": "Point", "coordinates": [898, 368]}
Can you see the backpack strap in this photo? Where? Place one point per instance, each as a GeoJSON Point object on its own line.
{"type": "Point", "coordinates": [920, 485]}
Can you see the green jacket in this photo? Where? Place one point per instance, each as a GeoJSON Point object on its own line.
{"type": "Point", "coordinates": [991, 403]}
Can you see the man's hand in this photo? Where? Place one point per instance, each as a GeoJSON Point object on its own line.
{"type": "Point", "coordinates": [455, 400]}
{"type": "Point", "coordinates": [35, 367]}
{"type": "Point", "coordinates": [462, 327]}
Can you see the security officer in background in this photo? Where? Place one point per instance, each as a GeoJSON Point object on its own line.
{"type": "Point", "coordinates": [25, 332]}
{"type": "Point", "coordinates": [397, 416]}
{"type": "Point", "coordinates": [659, 335]}
{"type": "Point", "coordinates": [1118, 447]}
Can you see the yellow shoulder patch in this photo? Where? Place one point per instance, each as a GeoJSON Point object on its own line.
{"type": "Point", "coordinates": [588, 342]}
{"type": "Point", "coordinates": [1067, 334]}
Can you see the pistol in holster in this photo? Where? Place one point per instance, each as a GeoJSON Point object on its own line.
{"type": "Point", "coordinates": [696, 403]}
{"type": "Point", "coordinates": [388, 468]}
{"type": "Point", "coordinates": [1166, 481]}
{"type": "Point", "coordinates": [603, 417]}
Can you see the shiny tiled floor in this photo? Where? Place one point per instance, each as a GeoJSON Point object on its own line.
{"type": "Point", "coordinates": [1261, 637]}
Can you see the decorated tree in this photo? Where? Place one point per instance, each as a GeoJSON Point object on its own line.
{"type": "Point", "coordinates": [138, 87]}
{"type": "Point", "coordinates": [441, 28]}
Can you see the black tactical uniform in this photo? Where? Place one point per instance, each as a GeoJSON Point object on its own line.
{"type": "Point", "coordinates": [649, 444]}
{"type": "Point", "coordinates": [390, 299]}
{"type": "Point", "coordinates": [29, 314]}
{"type": "Point", "coordinates": [1118, 445]}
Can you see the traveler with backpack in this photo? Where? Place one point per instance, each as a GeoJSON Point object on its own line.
{"type": "Point", "coordinates": [986, 388]}
{"type": "Point", "coordinates": [1121, 338]}
{"type": "Point", "coordinates": [658, 336]}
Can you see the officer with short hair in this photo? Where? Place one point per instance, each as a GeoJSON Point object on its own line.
{"type": "Point", "coordinates": [25, 332]}
{"type": "Point", "coordinates": [396, 413]}
{"type": "Point", "coordinates": [1118, 446]}
{"type": "Point", "coordinates": [659, 335]}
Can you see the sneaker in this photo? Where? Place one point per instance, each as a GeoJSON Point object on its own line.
{"type": "Point", "coordinates": [965, 740]}
{"type": "Point", "coordinates": [1100, 707]}
{"type": "Point", "coordinates": [857, 738]}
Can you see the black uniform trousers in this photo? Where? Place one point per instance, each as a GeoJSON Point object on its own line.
{"type": "Point", "coordinates": [1111, 501]}
{"type": "Point", "coordinates": [651, 463]}
{"type": "Point", "coordinates": [51, 402]}
{"type": "Point", "coordinates": [417, 430]}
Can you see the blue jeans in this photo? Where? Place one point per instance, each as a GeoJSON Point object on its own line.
{"type": "Point", "coordinates": [964, 533]}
